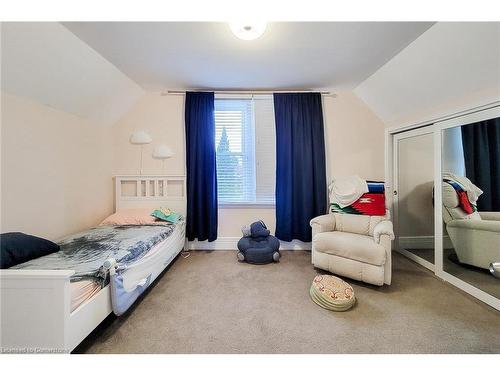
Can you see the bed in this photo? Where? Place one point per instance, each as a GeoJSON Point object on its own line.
{"type": "Point", "coordinates": [53, 310]}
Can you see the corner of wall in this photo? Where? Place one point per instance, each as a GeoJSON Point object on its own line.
{"type": "Point", "coordinates": [354, 137]}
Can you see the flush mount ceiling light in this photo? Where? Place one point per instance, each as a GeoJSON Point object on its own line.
{"type": "Point", "coordinates": [248, 30]}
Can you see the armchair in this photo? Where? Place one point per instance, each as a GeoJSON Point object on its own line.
{"type": "Point", "coordinates": [355, 246]}
{"type": "Point", "coordinates": [475, 237]}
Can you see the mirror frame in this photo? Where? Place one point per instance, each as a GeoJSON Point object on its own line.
{"type": "Point", "coordinates": [427, 130]}
{"type": "Point", "coordinates": [467, 117]}
{"type": "Point", "coordinates": [439, 128]}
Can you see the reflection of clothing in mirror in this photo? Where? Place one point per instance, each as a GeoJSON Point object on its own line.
{"type": "Point", "coordinates": [473, 192]}
{"type": "Point", "coordinates": [463, 199]}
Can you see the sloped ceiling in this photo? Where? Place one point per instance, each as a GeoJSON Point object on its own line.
{"type": "Point", "coordinates": [289, 55]}
{"type": "Point", "coordinates": [50, 65]}
{"type": "Point", "coordinates": [450, 68]}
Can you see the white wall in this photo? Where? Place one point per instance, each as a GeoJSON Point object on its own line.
{"type": "Point", "coordinates": [56, 170]}
{"type": "Point", "coordinates": [449, 68]}
{"type": "Point", "coordinates": [163, 118]}
{"type": "Point", "coordinates": [59, 98]}
{"type": "Point", "coordinates": [354, 137]}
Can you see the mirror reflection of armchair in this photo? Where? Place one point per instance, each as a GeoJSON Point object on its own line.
{"type": "Point", "coordinates": [476, 236]}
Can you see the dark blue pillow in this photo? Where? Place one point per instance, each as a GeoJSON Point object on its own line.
{"type": "Point", "coordinates": [17, 247]}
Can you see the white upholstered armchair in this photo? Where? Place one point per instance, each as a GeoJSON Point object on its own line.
{"type": "Point", "coordinates": [355, 246]}
{"type": "Point", "coordinates": [475, 237]}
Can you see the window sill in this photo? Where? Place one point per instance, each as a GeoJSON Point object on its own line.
{"type": "Point", "coordinates": [247, 205]}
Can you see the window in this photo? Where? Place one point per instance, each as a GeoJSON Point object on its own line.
{"type": "Point", "coordinates": [245, 144]}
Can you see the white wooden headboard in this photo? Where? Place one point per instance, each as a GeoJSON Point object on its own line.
{"type": "Point", "coordinates": [151, 191]}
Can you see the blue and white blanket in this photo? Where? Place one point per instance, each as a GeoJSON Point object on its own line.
{"type": "Point", "coordinates": [86, 252]}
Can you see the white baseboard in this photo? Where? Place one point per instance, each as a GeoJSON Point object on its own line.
{"type": "Point", "coordinates": [230, 243]}
{"type": "Point", "coordinates": [221, 243]}
{"type": "Point", "coordinates": [295, 245]}
{"type": "Point", "coordinates": [422, 242]}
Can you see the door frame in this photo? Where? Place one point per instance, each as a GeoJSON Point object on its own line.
{"type": "Point", "coordinates": [429, 129]}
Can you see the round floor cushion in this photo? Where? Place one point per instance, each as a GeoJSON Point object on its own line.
{"type": "Point", "coordinates": [332, 293]}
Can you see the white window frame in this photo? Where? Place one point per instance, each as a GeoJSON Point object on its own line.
{"type": "Point", "coordinates": [237, 205]}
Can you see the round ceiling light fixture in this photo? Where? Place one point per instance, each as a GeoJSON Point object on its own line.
{"type": "Point", "coordinates": [248, 30]}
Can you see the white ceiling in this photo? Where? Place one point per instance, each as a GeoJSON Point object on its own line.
{"type": "Point", "coordinates": [452, 67]}
{"type": "Point", "coordinates": [45, 62]}
{"type": "Point", "coordinates": [306, 55]}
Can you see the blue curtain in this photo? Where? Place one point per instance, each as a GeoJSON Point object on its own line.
{"type": "Point", "coordinates": [481, 143]}
{"type": "Point", "coordinates": [201, 167]}
{"type": "Point", "coordinates": [301, 191]}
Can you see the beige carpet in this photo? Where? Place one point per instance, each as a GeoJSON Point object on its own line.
{"type": "Point", "coordinates": [480, 278]}
{"type": "Point", "coordinates": [210, 303]}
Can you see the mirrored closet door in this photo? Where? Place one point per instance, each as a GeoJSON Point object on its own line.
{"type": "Point", "coordinates": [470, 184]}
{"type": "Point", "coordinates": [413, 194]}
{"type": "Point", "coordinates": [446, 206]}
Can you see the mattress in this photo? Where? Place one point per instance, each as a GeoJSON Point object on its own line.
{"type": "Point", "coordinates": [162, 253]}
{"type": "Point", "coordinates": [178, 234]}
{"type": "Point", "coordinates": [86, 252]}
{"type": "Point", "coordinates": [84, 290]}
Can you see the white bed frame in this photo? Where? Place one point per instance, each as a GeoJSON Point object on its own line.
{"type": "Point", "coordinates": [35, 304]}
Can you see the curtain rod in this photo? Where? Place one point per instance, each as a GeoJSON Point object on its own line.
{"type": "Point", "coordinates": [262, 92]}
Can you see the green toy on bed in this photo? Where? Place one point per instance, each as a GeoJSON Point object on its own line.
{"type": "Point", "coordinates": [166, 214]}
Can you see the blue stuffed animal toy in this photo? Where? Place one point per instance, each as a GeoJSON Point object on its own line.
{"type": "Point", "coordinates": [256, 229]}
{"type": "Point", "coordinates": [257, 246]}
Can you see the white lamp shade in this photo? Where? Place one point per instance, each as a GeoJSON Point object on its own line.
{"type": "Point", "coordinates": [162, 152]}
{"type": "Point", "coordinates": [140, 137]}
